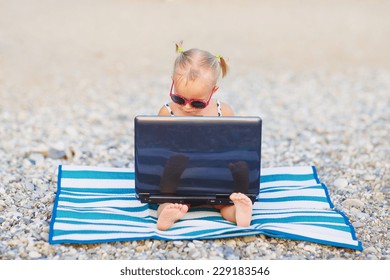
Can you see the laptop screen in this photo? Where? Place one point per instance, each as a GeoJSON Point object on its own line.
{"type": "Point", "coordinates": [197, 156]}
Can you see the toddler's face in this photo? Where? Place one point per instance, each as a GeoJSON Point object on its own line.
{"type": "Point", "coordinates": [201, 88]}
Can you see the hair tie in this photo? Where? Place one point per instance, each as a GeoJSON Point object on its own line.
{"type": "Point", "coordinates": [179, 49]}
{"type": "Point", "coordinates": [218, 56]}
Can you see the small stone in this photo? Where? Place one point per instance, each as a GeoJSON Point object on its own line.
{"type": "Point", "coordinates": [386, 190]}
{"type": "Point", "coordinates": [30, 186]}
{"type": "Point", "coordinates": [44, 236]}
{"type": "Point", "coordinates": [369, 177]}
{"type": "Point", "coordinates": [355, 211]}
{"type": "Point", "coordinates": [310, 248]}
{"type": "Point", "coordinates": [194, 254]}
{"type": "Point", "coordinates": [340, 183]}
{"type": "Point", "coordinates": [370, 250]}
{"type": "Point", "coordinates": [249, 238]}
{"type": "Point", "coordinates": [353, 202]}
{"type": "Point", "coordinates": [71, 131]}
{"type": "Point", "coordinates": [56, 154]}
{"type": "Point", "coordinates": [26, 163]}
{"type": "Point", "coordinates": [178, 243]}
{"type": "Point", "coordinates": [198, 242]}
{"type": "Point", "coordinates": [140, 249]}
{"type": "Point", "coordinates": [36, 158]}
{"type": "Point", "coordinates": [34, 255]}
{"type": "Point", "coordinates": [231, 243]}
{"type": "Point", "coordinates": [358, 224]}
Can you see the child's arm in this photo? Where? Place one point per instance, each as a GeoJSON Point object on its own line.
{"type": "Point", "coordinates": [163, 111]}
{"type": "Point", "coordinates": [226, 110]}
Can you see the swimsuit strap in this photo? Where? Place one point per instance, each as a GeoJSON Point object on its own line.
{"type": "Point", "coordinates": [219, 108]}
{"type": "Point", "coordinates": [169, 109]}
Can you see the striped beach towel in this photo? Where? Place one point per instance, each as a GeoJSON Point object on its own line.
{"type": "Point", "coordinates": [96, 204]}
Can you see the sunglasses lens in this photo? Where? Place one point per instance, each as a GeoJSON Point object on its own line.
{"type": "Point", "coordinates": [178, 99]}
{"type": "Point", "coordinates": [198, 104]}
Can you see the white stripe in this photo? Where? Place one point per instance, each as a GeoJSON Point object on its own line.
{"type": "Point", "coordinates": [293, 188]}
{"type": "Point", "coordinates": [129, 204]}
{"type": "Point", "coordinates": [96, 183]}
{"type": "Point", "coordinates": [200, 224]}
{"type": "Point", "coordinates": [102, 221]}
{"type": "Point", "coordinates": [320, 233]}
{"type": "Point", "coordinates": [102, 210]}
{"type": "Point", "coordinates": [287, 170]}
{"type": "Point", "coordinates": [178, 233]}
{"type": "Point", "coordinates": [306, 192]}
{"type": "Point", "coordinates": [96, 227]}
{"type": "Point", "coordinates": [101, 196]}
{"type": "Point", "coordinates": [108, 203]}
{"type": "Point", "coordinates": [256, 215]}
{"type": "Point", "coordinates": [137, 226]}
{"type": "Point", "coordinates": [309, 231]}
{"type": "Point", "coordinates": [95, 168]}
{"type": "Point", "coordinates": [295, 210]}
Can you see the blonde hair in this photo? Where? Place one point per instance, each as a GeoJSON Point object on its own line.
{"type": "Point", "coordinates": [197, 60]}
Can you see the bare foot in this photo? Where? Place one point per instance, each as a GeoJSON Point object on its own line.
{"type": "Point", "coordinates": [170, 214]}
{"type": "Point", "coordinates": [243, 206]}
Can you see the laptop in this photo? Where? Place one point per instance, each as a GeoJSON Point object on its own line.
{"type": "Point", "coordinates": [196, 160]}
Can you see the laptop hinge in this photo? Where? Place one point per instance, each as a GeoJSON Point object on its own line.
{"type": "Point", "coordinates": [217, 199]}
{"type": "Point", "coordinates": [222, 199]}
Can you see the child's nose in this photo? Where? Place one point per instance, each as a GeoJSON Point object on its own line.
{"type": "Point", "coordinates": [187, 106]}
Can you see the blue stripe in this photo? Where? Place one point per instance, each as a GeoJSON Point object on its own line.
{"type": "Point", "coordinates": [335, 227]}
{"type": "Point", "coordinates": [99, 190]}
{"type": "Point", "coordinates": [101, 216]}
{"type": "Point", "coordinates": [348, 223]}
{"type": "Point", "coordinates": [55, 205]}
{"type": "Point", "coordinates": [328, 196]}
{"type": "Point", "coordinates": [294, 198]}
{"type": "Point", "coordinates": [90, 174]}
{"type": "Point", "coordinates": [315, 174]}
{"type": "Point", "coordinates": [285, 177]}
{"type": "Point", "coordinates": [98, 223]}
{"type": "Point", "coordinates": [299, 219]}
{"type": "Point", "coordinates": [84, 232]}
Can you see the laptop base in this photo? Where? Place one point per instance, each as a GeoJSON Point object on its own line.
{"type": "Point", "coordinates": [198, 200]}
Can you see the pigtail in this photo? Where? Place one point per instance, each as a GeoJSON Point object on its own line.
{"type": "Point", "coordinates": [179, 47]}
{"type": "Point", "coordinates": [223, 64]}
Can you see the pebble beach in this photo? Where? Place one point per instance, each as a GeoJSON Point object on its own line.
{"type": "Point", "coordinates": [74, 75]}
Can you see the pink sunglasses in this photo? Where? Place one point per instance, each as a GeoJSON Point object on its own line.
{"type": "Point", "coordinates": [195, 103]}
